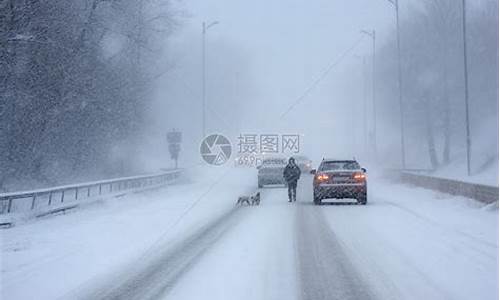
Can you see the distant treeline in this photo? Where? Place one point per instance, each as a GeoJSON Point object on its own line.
{"type": "Point", "coordinates": [74, 76]}
{"type": "Point", "coordinates": [433, 83]}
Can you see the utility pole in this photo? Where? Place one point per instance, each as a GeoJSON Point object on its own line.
{"type": "Point", "coordinates": [466, 87]}
{"type": "Point", "coordinates": [365, 104]}
{"type": "Point", "coordinates": [374, 103]}
{"type": "Point", "coordinates": [400, 85]}
{"type": "Point", "coordinates": [372, 34]}
{"type": "Point", "coordinates": [203, 75]}
{"type": "Point", "coordinates": [205, 27]}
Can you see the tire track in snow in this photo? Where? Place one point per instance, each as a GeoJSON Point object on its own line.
{"type": "Point", "coordinates": [339, 271]}
{"type": "Point", "coordinates": [325, 269]}
{"type": "Point", "coordinates": [157, 276]}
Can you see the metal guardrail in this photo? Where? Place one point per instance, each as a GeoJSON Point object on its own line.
{"type": "Point", "coordinates": [480, 192]}
{"type": "Point", "coordinates": [31, 200]}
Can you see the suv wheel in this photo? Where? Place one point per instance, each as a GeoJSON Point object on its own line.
{"type": "Point", "coordinates": [362, 199]}
{"type": "Point", "coordinates": [317, 200]}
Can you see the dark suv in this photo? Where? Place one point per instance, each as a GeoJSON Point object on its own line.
{"type": "Point", "coordinates": [339, 179]}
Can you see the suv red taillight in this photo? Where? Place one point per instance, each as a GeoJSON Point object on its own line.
{"type": "Point", "coordinates": [320, 177]}
{"type": "Point", "coordinates": [359, 176]}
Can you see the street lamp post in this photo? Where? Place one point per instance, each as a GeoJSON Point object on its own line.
{"type": "Point", "coordinates": [400, 85]}
{"type": "Point", "coordinates": [205, 27]}
{"type": "Point", "coordinates": [365, 123]}
{"type": "Point", "coordinates": [466, 83]}
{"type": "Point", "coordinates": [365, 107]}
{"type": "Point", "coordinates": [374, 110]}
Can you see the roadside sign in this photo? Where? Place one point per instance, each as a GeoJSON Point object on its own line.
{"type": "Point", "coordinates": [174, 139]}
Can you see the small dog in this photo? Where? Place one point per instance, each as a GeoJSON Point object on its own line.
{"type": "Point", "coordinates": [255, 199]}
{"type": "Point", "coordinates": [249, 200]}
{"type": "Point", "coordinates": [243, 199]}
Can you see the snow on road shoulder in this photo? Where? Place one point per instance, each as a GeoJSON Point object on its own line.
{"type": "Point", "coordinates": [486, 176]}
{"type": "Point", "coordinates": [55, 255]}
{"type": "Point", "coordinates": [464, 215]}
{"type": "Point", "coordinates": [419, 244]}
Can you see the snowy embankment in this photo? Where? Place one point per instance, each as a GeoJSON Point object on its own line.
{"type": "Point", "coordinates": [51, 257]}
{"type": "Point", "coordinates": [488, 175]}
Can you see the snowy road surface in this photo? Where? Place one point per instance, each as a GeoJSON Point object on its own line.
{"type": "Point", "coordinates": [407, 243]}
{"type": "Point", "coordinates": [427, 246]}
{"type": "Point", "coordinates": [326, 271]}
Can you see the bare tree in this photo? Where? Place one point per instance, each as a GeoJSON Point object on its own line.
{"type": "Point", "coordinates": [63, 103]}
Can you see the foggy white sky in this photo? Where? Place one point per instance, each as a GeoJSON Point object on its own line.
{"type": "Point", "coordinates": [290, 42]}
{"type": "Point", "coordinates": [263, 55]}
{"type": "Point", "coordinates": [261, 58]}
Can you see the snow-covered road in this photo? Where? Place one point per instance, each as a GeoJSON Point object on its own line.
{"type": "Point", "coordinates": [407, 243]}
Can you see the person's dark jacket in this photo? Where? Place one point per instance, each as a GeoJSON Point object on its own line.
{"type": "Point", "coordinates": [291, 173]}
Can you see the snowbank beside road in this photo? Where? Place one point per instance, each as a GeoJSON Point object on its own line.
{"type": "Point", "coordinates": [487, 175]}
{"type": "Point", "coordinates": [56, 255]}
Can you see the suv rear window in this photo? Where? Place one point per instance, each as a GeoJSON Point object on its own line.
{"type": "Point", "coordinates": [339, 165]}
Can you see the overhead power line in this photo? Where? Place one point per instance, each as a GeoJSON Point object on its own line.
{"type": "Point", "coordinates": [321, 77]}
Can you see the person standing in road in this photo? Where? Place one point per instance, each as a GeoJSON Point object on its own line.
{"type": "Point", "coordinates": [291, 175]}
